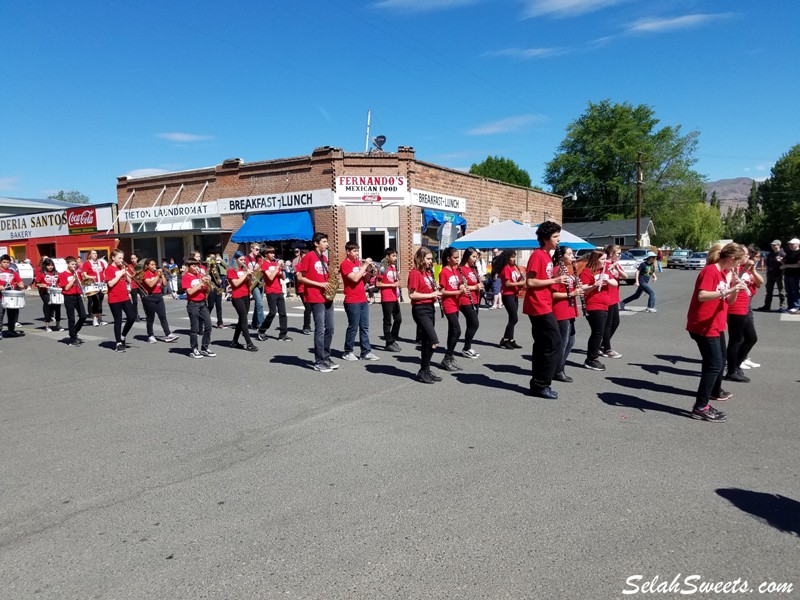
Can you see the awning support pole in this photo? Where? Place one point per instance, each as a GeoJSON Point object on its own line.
{"type": "Point", "coordinates": [175, 197]}
{"type": "Point", "coordinates": [119, 212]}
{"type": "Point", "coordinates": [196, 200]}
{"type": "Point", "coordinates": [160, 195]}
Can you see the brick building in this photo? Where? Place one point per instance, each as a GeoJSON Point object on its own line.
{"type": "Point", "coordinates": [378, 199]}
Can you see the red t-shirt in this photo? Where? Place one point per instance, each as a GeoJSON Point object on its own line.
{"type": "Point", "coordinates": [156, 289]}
{"type": "Point", "coordinates": [389, 276]}
{"type": "Point", "coordinates": [315, 268]}
{"type": "Point", "coordinates": [539, 302]}
{"type": "Point", "coordinates": [63, 281]}
{"type": "Point", "coordinates": [596, 297]}
{"type": "Point", "coordinates": [243, 289]}
{"type": "Point", "coordinates": [354, 291]}
{"type": "Point", "coordinates": [450, 281]}
{"type": "Point", "coordinates": [119, 291]}
{"type": "Point", "coordinates": [741, 306]}
{"type": "Point", "coordinates": [510, 273]}
{"type": "Point", "coordinates": [50, 279]}
{"type": "Point", "coordinates": [613, 291]}
{"type": "Point", "coordinates": [9, 278]}
{"type": "Point", "coordinates": [95, 269]}
{"type": "Point", "coordinates": [472, 279]}
{"type": "Point", "coordinates": [708, 319]}
{"type": "Point", "coordinates": [561, 308]}
{"type": "Point", "coordinates": [422, 283]}
{"type": "Point", "coordinates": [190, 280]}
{"type": "Point", "coordinates": [274, 286]}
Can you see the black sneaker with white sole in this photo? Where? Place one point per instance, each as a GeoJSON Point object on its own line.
{"type": "Point", "coordinates": [594, 365]}
{"type": "Point", "coordinates": [708, 413]}
{"type": "Point", "coordinates": [207, 353]}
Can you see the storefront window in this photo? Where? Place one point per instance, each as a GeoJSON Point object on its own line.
{"type": "Point", "coordinates": [146, 248]}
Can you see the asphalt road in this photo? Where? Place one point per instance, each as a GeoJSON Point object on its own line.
{"type": "Point", "coordinates": [150, 475]}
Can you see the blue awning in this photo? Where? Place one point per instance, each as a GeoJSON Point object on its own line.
{"type": "Point", "coordinates": [441, 216]}
{"type": "Point", "coordinates": [275, 227]}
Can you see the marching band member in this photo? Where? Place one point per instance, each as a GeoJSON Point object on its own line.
{"type": "Point", "coordinates": [239, 277]}
{"type": "Point", "coordinates": [512, 283]}
{"type": "Point", "coordinates": [312, 272]}
{"type": "Point", "coordinates": [196, 285]}
{"type": "Point", "coordinates": [388, 283]}
{"type": "Point", "coordinates": [538, 305]}
{"type": "Point", "coordinates": [706, 322]}
{"type": "Point", "coordinates": [452, 289]}
{"type": "Point", "coordinates": [565, 310]}
{"type": "Point", "coordinates": [742, 331]}
{"type": "Point", "coordinates": [470, 301]}
{"type": "Point", "coordinates": [273, 278]}
{"type": "Point", "coordinates": [301, 291]}
{"type": "Point", "coordinates": [616, 272]}
{"type": "Point", "coordinates": [423, 294]}
{"type": "Point", "coordinates": [119, 299]}
{"type": "Point", "coordinates": [253, 261]}
{"type": "Point", "coordinates": [596, 283]}
{"type": "Point", "coordinates": [47, 277]}
{"type": "Point", "coordinates": [69, 282]}
{"type": "Point", "coordinates": [356, 306]}
{"type": "Point", "coordinates": [9, 279]}
{"type": "Point", "coordinates": [95, 268]}
{"type": "Point", "coordinates": [135, 291]}
{"type": "Point", "coordinates": [154, 282]}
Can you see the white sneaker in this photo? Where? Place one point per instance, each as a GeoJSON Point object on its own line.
{"type": "Point", "coordinates": [750, 363]}
{"type": "Point", "coordinates": [171, 338]}
{"type": "Point", "coordinates": [95, 323]}
{"type": "Point", "coordinates": [152, 340]}
{"type": "Point", "coordinates": [744, 366]}
{"type": "Point", "coordinates": [650, 310]}
{"type": "Point", "coordinates": [349, 356]}
{"type": "Point", "coordinates": [370, 356]}
{"type": "Point", "coordinates": [48, 330]}
{"type": "Point", "coordinates": [196, 353]}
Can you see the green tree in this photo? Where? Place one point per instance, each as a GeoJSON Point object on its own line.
{"type": "Point", "coordinates": [72, 196]}
{"type": "Point", "coordinates": [734, 224]}
{"type": "Point", "coordinates": [780, 199]}
{"type": "Point", "coordinates": [597, 161]}
{"type": "Point", "coordinates": [502, 169]}
{"type": "Point", "coordinates": [715, 200]}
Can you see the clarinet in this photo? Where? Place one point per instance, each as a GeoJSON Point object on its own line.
{"type": "Point", "coordinates": [562, 270]}
{"type": "Point", "coordinates": [436, 288]}
{"type": "Point", "coordinates": [738, 280]}
{"type": "Point", "coordinates": [469, 292]}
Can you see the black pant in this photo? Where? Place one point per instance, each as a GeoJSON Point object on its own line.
{"type": "Point", "coordinates": [95, 304]}
{"type": "Point", "coordinates": [117, 308]}
{"type": "Point", "coordinates": [511, 304]}
{"type": "Point", "coordinates": [712, 349]}
{"type": "Point", "coordinates": [453, 333]}
{"type": "Point", "coordinates": [277, 305]}
{"type": "Point", "coordinates": [242, 307]}
{"type": "Point", "coordinates": [13, 317]}
{"type": "Point", "coordinates": [50, 310]}
{"type": "Point", "coordinates": [73, 303]}
{"type": "Point", "coordinates": [742, 337]}
{"type": "Point", "coordinates": [612, 323]}
{"type": "Point", "coordinates": [199, 322]}
{"type": "Point", "coordinates": [214, 301]}
{"type": "Point", "coordinates": [471, 317]}
{"type": "Point", "coordinates": [154, 305]}
{"type": "Point", "coordinates": [424, 316]}
{"type": "Point", "coordinates": [306, 312]}
{"type": "Point", "coordinates": [597, 321]}
{"type": "Point", "coordinates": [136, 293]}
{"type": "Point", "coordinates": [774, 279]}
{"type": "Point", "coordinates": [546, 347]}
{"type": "Point", "coordinates": [567, 330]}
{"type": "Point", "coordinates": [391, 321]}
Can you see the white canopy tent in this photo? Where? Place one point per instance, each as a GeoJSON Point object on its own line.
{"type": "Point", "coordinates": [513, 234]}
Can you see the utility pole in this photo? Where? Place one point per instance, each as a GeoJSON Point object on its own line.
{"type": "Point", "coordinates": [639, 183]}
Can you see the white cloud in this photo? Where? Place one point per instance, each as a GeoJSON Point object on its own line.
{"type": "Point", "coordinates": [505, 125]}
{"type": "Point", "coordinates": [8, 183]}
{"type": "Point", "coordinates": [184, 137]}
{"type": "Point", "coordinates": [760, 179]}
{"type": "Point", "coordinates": [684, 22]}
{"type": "Point", "coordinates": [564, 8]}
{"type": "Point", "coordinates": [529, 53]}
{"type": "Point", "coordinates": [422, 5]}
{"type": "Point", "coordinates": [145, 173]}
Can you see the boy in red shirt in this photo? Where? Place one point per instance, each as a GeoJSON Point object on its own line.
{"type": "Point", "coordinates": [69, 282]}
{"type": "Point", "coordinates": [273, 275]}
{"type": "Point", "coordinates": [196, 286]}
{"type": "Point", "coordinates": [9, 280]}
{"type": "Point", "coordinates": [312, 272]}
{"type": "Point", "coordinates": [355, 303]}
{"type": "Point", "coordinates": [389, 284]}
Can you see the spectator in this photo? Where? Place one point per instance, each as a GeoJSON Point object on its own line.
{"type": "Point", "coordinates": [791, 276]}
{"type": "Point", "coordinates": [774, 277]}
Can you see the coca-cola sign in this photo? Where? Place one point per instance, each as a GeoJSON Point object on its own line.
{"type": "Point", "coordinates": [82, 220]}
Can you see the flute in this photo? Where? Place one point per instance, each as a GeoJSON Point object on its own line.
{"type": "Point", "coordinates": [738, 280]}
{"type": "Point", "coordinates": [562, 270]}
{"type": "Point", "coordinates": [436, 288]}
{"type": "Point", "coordinates": [468, 292]}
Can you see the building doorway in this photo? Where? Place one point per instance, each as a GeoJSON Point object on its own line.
{"type": "Point", "coordinates": [373, 243]}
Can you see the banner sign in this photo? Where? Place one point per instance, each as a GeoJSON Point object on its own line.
{"type": "Point", "coordinates": [438, 201]}
{"type": "Point", "coordinates": [82, 219]}
{"type": "Point", "coordinates": [371, 189]}
{"type": "Point", "coordinates": [177, 211]}
{"type": "Point", "coordinates": [275, 202]}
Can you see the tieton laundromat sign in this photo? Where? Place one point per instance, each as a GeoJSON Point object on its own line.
{"type": "Point", "coordinates": [170, 213]}
{"type": "Point", "coordinates": [71, 221]}
{"type": "Point", "coordinates": [275, 202]}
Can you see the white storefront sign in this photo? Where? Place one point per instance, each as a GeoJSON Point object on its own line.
{"type": "Point", "coordinates": [437, 201]}
{"type": "Point", "coordinates": [275, 202]}
{"type": "Point", "coordinates": [50, 224]}
{"type": "Point", "coordinates": [371, 189]}
{"type": "Point", "coordinates": [170, 213]}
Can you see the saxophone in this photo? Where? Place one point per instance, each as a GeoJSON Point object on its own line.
{"type": "Point", "coordinates": [334, 279]}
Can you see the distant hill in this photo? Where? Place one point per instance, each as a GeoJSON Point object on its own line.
{"type": "Point", "coordinates": [731, 192]}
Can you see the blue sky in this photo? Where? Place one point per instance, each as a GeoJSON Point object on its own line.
{"type": "Point", "coordinates": [92, 90]}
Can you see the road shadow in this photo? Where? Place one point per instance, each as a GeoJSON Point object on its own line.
{"type": "Point", "coordinates": [180, 350]}
{"type": "Point", "coordinates": [652, 386]}
{"type": "Point", "coordinates": [674, 359]}
{"type": "Point", "coordinates": [775, 510]}
{"type": "Point", "coordinates": [390, 370]}
{"type": "Point", "coordinates": [641, 404]}
{"type": "Point", "coordinates": [512, 369]}
{"type": "Point", "coordinates": [489, 382]}
{"type": "Point", "coordinates": [293, 360]}
{"type": "Point", "coordinates": [656, 369]}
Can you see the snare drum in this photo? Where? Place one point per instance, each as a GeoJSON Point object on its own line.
{"type": "Point", "coordinates": [56, 295]}
{"type": "Point", "coordinates": [13, 299]}
{"type": "Point", "coordinates": [103, 287]}
{"type": "Point", "coordinates": [91, 290]}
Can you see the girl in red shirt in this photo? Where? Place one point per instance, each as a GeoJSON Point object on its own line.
{"type": "Point", "coordinates": [512, 281]}
{"type": "Point", "coordinates": [273, 275]}
{"type": "Point", "coordinates": [239, 278]}
{"type": "Point", "coordinates": [423, 294]}
{"type": "Point", "coordinates": [95, 268]}
{"type": "Point", "coordinates": [565, 309]}
{"type": "Point", "coordinates": [452, 291]}
{"type": "Point", "coordinates": [615, 272]}
{"type": "Point", "coordinates": [469, 302]}
{"type": "Point", "coordinates": [9, 280]}
{"type": "Point", "coordinates": [596, 282]}
{"type": "Point", "coordinates": [741, 329]}
{"type": "Point", "coordinates": [69, 282]}
{"type": "Point", "coordinates": [47, 277]}
{"type": "Point", "coordinates": [706, 321]}
{"type": "Point", "coordinates": [153, 281]}
{"type": "Point", "coordinates": [119, 299]}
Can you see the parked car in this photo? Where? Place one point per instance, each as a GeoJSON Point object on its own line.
{"type": "Point", "coordinates": [696, 261]}
{"type": "Point", "coordinates": [627, 262]}
{"type": "Point", "coordinates": [678, 259]}
{"type": "Point", "coordinates": [638, 254]}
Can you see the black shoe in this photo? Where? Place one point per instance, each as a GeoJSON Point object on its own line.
{"type": "Point", "coordinates": [237, 346]}
{"type": "Point", "coordinates": [120, 347]}
{"type": "Point", "coordinates": [562, 377]}
{"type": "Point", "coordinates": [251, 348]}
{"type": "Point", "coordinates": [433, 376]}
{"type": "Point", "coordinates": [424, 376]}
{"type": "Point", "coordinates": [723, 395]}
{"type": "Point", "coordinates": [393, 347]}
{"type": "Point", "coordinates": [594, 365]}
{"type": "Point", "coordinates": [504, 343]}
{"type": "Point", "coordinates": [547, 393]}
{"type": "Point", "coordinates": [262, 336]}
{"type": "Point", "coordinates": [13, 334]}
{"type": "Point", "coordinates": [306, 331]}
{"type": "Point", "coordinates": [708, 413]}
{"type": "Point", "coordinates": [737, 377]}
{"type": "Point", "coordinates": [449, 364]}
{"type": "Point", "coordinates": [763, 309]}
{"type": "Point", "coordinates": [514, 344]}
{"type": "Point", "coordinates": [284, 338]}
